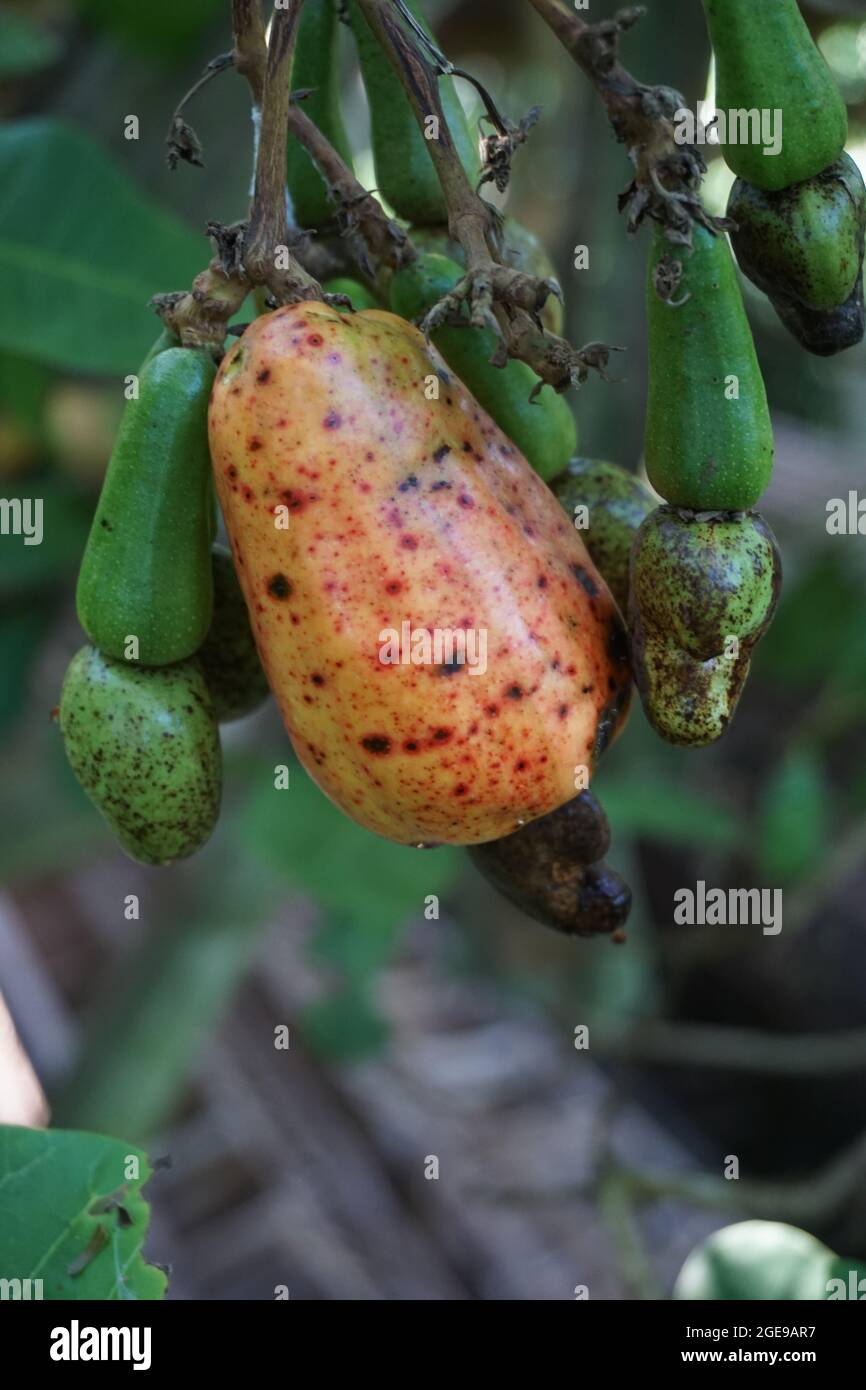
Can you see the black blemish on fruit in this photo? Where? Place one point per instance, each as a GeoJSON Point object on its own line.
{"type": "Point", "coordinates": [232, 471]}
{"type": "Point", "coordinates": [467, 447]}
{"type": "Point", "coordinates": [608, 721]}
{"type": "Point", "coordinates": [451, 668]}
{"type": "Point", "coordinates": [439, 454]}
{"type": "Point", "coordinates": [437, 487]}
{"type": "Point", "coordinates": [441, 735]}
{"type": "Point", "coordinates": [318, 680]}
{"type": "Point", "coordinates": [254, 445]}
{"type": "Point", "coordinates": [562, 711]}
{"type": "Point", "coordinates": [279, 586]}
{"type": "Point", "coordinates": [332, 420]}
{"type": "Point", "coordinates": [411, 746]}
{"type": "Point", "coordinates": [520, 765]}
{"type": "Point", "coordinates": [264, 375]}
{"type": "Point", "coordinates": [586, 690]}
{"type": "Point", "coordinates": [514, 692]}
{"type": "Point", "coordinates": [617, 642]}
{"type": "Point", "coordinates": [292, 499]}
{"type": "Point", "coordinates": [411, 481]}
{"type": "Point", "coordinates": [542, 581]}
{"type": "Point", "coordinates": [585, 581]}
{"type": "Point", "coordinates": [460, 789]}
{"type": "Point", "coordinates": [376, 743]}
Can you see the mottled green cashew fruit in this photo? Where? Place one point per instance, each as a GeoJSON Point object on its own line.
{"type": "Point", "coordinates": [703, 592]}
{"type": "Point", "coordinates": [550, 869]}
{"type": "Point", "coordinates": [804, 248]}
{"type": "Point", "coordinates": [709, 441]}
{"type": "Point", "coordinates": [519, 248]}
{"type": "Point", "coordinates": [766, 62]}
{"type": "Point", "coordinates": [166, 339]}
{"type": "Point", "coordinates": [358, 293]}
{"type": "Point", "coordinates": [616, 502]}
{"type": "Point", "coordinates": [315, 68]}
{"type": "Point", "coordinates": [232, 669]}
{"type": "Point", "coordinates": [146, 571]}
{"type": "Point", "coordinates": [544, 430]}
{"type": "Point", "coordinates": [405, 174]}
{"type": "Point", "coordinates": [144, 744]}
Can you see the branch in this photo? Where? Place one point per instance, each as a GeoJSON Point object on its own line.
{"type": "Point", "coordinates": [182, 141]}
{"type": "Point", "coordinates": [666, 186]}
{"type": "Point", "coordinates": [499, 298]}
{"type": "Point", "coordinates": [361, 217]}
{"type": "Point", "coordinates": [267, 259]}
{"type": "Point", "coordinates": [250, 49]}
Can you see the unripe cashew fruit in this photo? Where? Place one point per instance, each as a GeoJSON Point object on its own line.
{"type": "Point", "coordinates": [358, 293]}
{"type": "Point", "coordinates": [550, 870]}
{"type": "Point", "coordinates": [543, 429]}
{"type": "Point", "coordinates": [146, 571]}
{"type": "Point", "coordinates": [766, 62]}
{"type": "Point", "coordinates": [703, 593]}
{"type": "Point", "coordinates": [617, 502]}
{"type": "Point", "coordinates": [355, 505]}
{"type": "Point", "coordinates": [709, 441]}
{"type": "Point", "coordinates": [804, 248]}
{"type": "Point", "coordinates": [143, 743]}
{"type": "Point", "coordinates": [235, 679]}
{"type": "Point", "coordinates": [315, 68]}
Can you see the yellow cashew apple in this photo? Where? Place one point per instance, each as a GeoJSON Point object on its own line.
{"type": "Point", "coordinates": [373, 509]}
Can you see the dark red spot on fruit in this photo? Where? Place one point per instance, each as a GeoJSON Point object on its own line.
{"type": "Point", "coordinates": [465, 500]}
{"type": "Point", "coordinates": [408, 542]}
{"type": "Point", "coordinates": [332, 420]}
{"type": "Point", "coordinates": [562, 711]}
{"type": "Point", "coordinates": [491, 711]}
{"type": "Point", "coordinates": [317, 679]}
{"type": "Point", "coordinates": [264, 375]}
{"type": "Point", "coordinates": [411, 746]}
{"type": "Point", "coordinates": [314, 339]}
{"type": "Point", "coordinates": [441, 735]}
{"type": "Point", "coordinates": [232, 471]}
{"type": "Point", "coordinates": [279, 586]}
{"type": "Point", "coordinates": [293, 500]}
{"type": "Point", "coordinates": [376, 743]}
{"type": "Point", "coordinates": [254, 444]}
{"type": "Point", "coordinates": [393, 586]}
{"type": "Point", "coordinates": [542, 581]}
{"type": "Point", "coordinates": [514, 692]}
{"type": "Point", "coordinates": [521, 765]}
{"type": "Point", "coordinates": [460, 789]}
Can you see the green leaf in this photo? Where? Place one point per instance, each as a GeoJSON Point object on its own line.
{"type": "Point", "coordinates": [81, 253]}
{"type": "Point", "coordinates": [793, 820]}
{"type": "Point", "coordinates": [66, 519]}
{"type": "Point", "coordinates": [24, 48]}
{"type": "Point", "coordinates": [166, 29]}
{"type": "Point", "coordinates": [755, 1260]}
{"type": "Point", "coordinates": [72, 1217]}
{"type": "Point", "coordinates": [23, 388]}
{"type": "Point", "coordinates": [367, 885]}
{"type": "Point", "coordinates": [23, 628]}
{"type": "Point", "coordinates": [345, 1026]}
{"type": "Point", "coordinates": [817, 633]}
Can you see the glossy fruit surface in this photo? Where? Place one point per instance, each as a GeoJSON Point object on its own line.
{"type": "Point", "coordinates": [146, 571]}
{"type": "Point", "coordinates": [544, 430]}
{"type": "Point", "coordinates": [356, 505]}
{"type": "Point", "coordinates": [709, 441]}
{"type": "Point", "coordinates": [143, 743]}
{"type": "Point", "coordinates": [767, 63]}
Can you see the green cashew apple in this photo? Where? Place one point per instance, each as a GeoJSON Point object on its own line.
{"type": "Point", "coordinates": [360, 296]}
{"type": "Point", "coordinates": [766, 62]}
{"type": "Point", "coordinates": [228, 657]}
{"type": "Point", "coordinates": [143, 743]}
{"type": "Point", "coordinates": [703, 593]}
{"type": "Point", "coordinates": [315, 69]}
{"type": "Point", "coordinates": [616, 503]}
{"type": "Point", "coordinates": [382, 532]}
{"type": "Point", "coordinates": [543, 429]}
{"type": "Point", "coordinates": [550, 869]}
{"type": "Point", "coordinates": [146, 571]}
{"type": "Point", "coordinates": [709, 441]}
{"type": "Point", "coordinates": [804, 248]}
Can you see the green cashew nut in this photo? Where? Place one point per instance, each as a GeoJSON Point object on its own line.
{"type": "Point", "coordinates": [766, 62]}
{"type": "Point", "coordinates": [703, 592]}
{"type": "Point", "coordinates": [804, 248]}
{"type": "Point", "coordinates": [544, 430]}
{"type": "Point", "coordinates": [358, 293]}
{"type": "Point", "coordinates": [709, 441]}
{"type": "Point", "coordinates": [144, 744]}
{"type": "Point", "coordinates": [617, 503]}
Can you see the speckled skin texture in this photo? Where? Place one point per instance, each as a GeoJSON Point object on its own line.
{"type": "Point", "coordinates": [618, 502]}
{"type": "Point", "coordinates": [234, 675]}
{"type": "Point", "coordinates": [550, 870]}
{"type": "Point", "coordinates": [403, 509]}
{"type": "Point", "coordinates": [144, 744]}
{"type": "Point", "coordinates": [695, 582]}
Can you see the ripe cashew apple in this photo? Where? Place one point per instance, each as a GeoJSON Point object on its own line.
{"type": "Point", "coordinates": [366, 520]}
